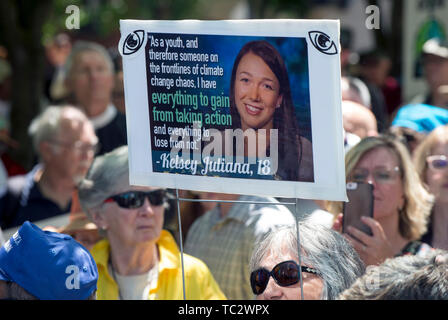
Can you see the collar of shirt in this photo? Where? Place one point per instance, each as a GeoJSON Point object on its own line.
{"type": "Point", "coordinates": [169, 253]}
{"type": "Point", "coordinates": [105, 118]}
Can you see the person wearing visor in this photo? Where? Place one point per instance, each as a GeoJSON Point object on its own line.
{"type": "Point", "coordinates": [431, 162]}
{"type": "Point", "coordinates": [435, 67]}
{"type": "Point", "coordinates": [327, 265]}
{"type": "Point", "coordinates": [44, 265]}
{"type": "Point", "coordinates": [137, 260]}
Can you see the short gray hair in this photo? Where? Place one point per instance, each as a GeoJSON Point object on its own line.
{"type": "Point", "coordinates": [322, 248]}
{"type": "Point", "coordinates": [46, 126]}
{"type": "Point", "coordinates": [408, 277]}
{"type": "Point", "coordinates": [108, 174]}
{"type": "Point", "coordinates": [83, 46]}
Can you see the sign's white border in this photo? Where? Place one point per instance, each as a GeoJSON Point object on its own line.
{"type": "Point", "coordinates": [325, 99]}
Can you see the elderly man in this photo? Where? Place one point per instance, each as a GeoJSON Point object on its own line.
{"type": "Point", "coordinates": [65, 141]}
{"type": "Point", "coordinates": [36, 264]}
{"type": "Point", "coordinates": [90, 81]}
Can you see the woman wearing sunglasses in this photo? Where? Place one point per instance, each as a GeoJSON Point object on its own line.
{"type": "Point", "coordinates": [328, 264]}
{"type": "Point", "coordinates": [137, 260]}
{"type": "Point", "coordinates": [431, 161]}
{"type": "Point", "coordinates": [401, 205]}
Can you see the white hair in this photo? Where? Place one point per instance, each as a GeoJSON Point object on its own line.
{"type": "Point", "coordinates": [83, 46]}
{"type": "Point", "coordinates": [46, 126]}
{"type": "Point", "coordinates": [322, 248]}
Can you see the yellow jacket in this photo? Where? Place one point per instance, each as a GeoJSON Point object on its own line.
{"type": "Point", "coordinates": [199, 282]}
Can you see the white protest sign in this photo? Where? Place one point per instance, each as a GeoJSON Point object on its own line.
{"type": "Point", "coordinates": [244, 106]}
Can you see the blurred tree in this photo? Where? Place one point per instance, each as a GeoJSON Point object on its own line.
{"type": "Point", "coordinates": [391, 43]}
{"type": "Point", "coordinates": [26, 25]}
{"type": "Point", "coordinates": [21, 24]}
{"type": "Point", "coordinates": [265, 9]}
{"type": "Point", "coordinates": [100, 18]}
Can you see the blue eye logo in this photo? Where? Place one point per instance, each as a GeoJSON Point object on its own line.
{"type": "Point", "coordinates": [322, 42]}
{"type": "Point", "coordinates": [133, 42]}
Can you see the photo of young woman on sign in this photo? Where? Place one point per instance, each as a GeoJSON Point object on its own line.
{"type": "Point", "coordinates": [260, 98]}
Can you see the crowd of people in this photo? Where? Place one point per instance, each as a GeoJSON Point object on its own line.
{"type": "Point", "coordinates": [122, 241]}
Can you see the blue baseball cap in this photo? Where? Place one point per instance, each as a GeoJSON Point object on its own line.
{"type": "Point", "coordinates": [49, 265]}
{"type": "Point", "coordinates": [422, 118]}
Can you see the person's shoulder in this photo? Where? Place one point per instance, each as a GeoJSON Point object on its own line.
{"type": "Point", "coordinates": [200, 282]}
{"type": "Point", "coordinates": [305, 141]}
{"type": "Point", "coordinates": [306, 166]}
{"type": "Point", "coordinates": [264, 208]}
{"type": "Point", "coordinates": [202, 219]}
{"type": "Point", "coordinates": [120, 118]}
{"type": "Point", "coordinates": [195, 267]}
{"type": "Point", "coordinates": [305, 145]}
{"type": "Point", "coordinates": [194, 264]}
{"type": "Point", "coordinates": [265, 216]}
{"type": "Point", "coordinates": [118, 122]}
{"type": "Point", "coordinates": [416, 247]}
{"type": "Point", "coordinates": [100, 252]}
{"type": "Point", "coordinates": [16, 184]}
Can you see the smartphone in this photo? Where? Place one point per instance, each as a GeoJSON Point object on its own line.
{"type": "Point", "coordinates": [360, 197]}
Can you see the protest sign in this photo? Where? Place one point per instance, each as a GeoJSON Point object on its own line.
{"type": "Point", "coordinates": [246, 106]}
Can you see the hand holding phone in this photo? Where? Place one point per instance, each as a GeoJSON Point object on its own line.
{"type": "Point", "coordinates": [360, 196]}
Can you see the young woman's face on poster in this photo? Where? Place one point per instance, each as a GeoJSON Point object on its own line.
{"type": "Point", "coordinates": [257, 93]}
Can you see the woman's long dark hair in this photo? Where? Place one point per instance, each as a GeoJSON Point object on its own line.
{"type": "Point", "coordinates": [284, 117]}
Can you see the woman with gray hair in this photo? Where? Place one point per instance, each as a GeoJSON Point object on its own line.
{"type": "Point", "coordinates": [404, 278]}
{"type": "Point", "coordinates": [137, 260]}
{"type": "Point", "coordinates": [328, 264]}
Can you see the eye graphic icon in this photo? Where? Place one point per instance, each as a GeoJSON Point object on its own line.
{"type": "Point", "coordinates": [323, 42]}
{"type": "Point", "coordinates": [133, 42]}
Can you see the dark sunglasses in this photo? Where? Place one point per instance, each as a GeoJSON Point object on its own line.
{"type": "Point", "coordinates": [286, 273]}
{"type": "Point", "coordinates": [135, 199]}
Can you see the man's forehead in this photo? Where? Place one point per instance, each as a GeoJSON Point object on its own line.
{"type": "Point", "coordinates": [74, 127]}
{"type": "Point", "coordinates": [84, 53]}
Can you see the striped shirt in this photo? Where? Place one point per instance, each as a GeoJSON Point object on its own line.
{"type": "Point", "coordinates": [225, 244]}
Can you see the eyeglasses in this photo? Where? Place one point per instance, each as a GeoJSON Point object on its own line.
{"type": "Point", "coordinates": [78, 146]}
{"type": "Point", "coordinates": [437, 162]}
{"type": "Point", "coordinates": [380, 174]}
{"type": "Point", "coordinates": [135, 199]}
{"type": "Point", "coordinates": [285, 274]}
